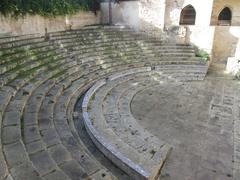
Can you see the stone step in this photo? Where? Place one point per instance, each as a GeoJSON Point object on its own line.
{"type": "Point", "coordinates": [15, 79]}
{"type": "Point", "coordinates": [126, 47]}
{"type": "Point", "coordinates": [112, 41]}
{"type": "Point", "coordinates": [42, 152]}
{"type": "Point", "coordinates": [21, 56]}
{"type": "Point", "coordinates": [28, 63]}
{"type": "Point", "coordinates": [137, 51]}
{"type": "Point", "coordinates": [98, 108]}
{"type": "Point", "coordinates": [130, 58]}
{"type": "Point", "coordinates": [139, 38]}
{"type": "Point", "coordinates": [154, 61]}
{"type": "Point", "coordinates": [12, 39]}
{"type": "Point", "coordinates": [40, 165]}
{"type": "Point", "coordinates": [79, 125]}
{"type": "Point", "coordinates": [18, 162]}
{"type": "Point", "coordinates": [32, 136]}
{"type": "Point", "coordinates": [108, 133]}
{"type": "Point", "coordinates": [15, 108]}
{"type": "Point", "coordinates": [20, 166]}
{"type": "Point", "coordinates": [111, 96]}
{"type": "Point", "coordinates": [92, 32]}
{"type": "Point", "coordinates": [165, 47]}
{"type": "Point", "coordinates": [31, 67]}
{"type": "Point", "coordinates": [6, 94]}
{"type": "Point", "coordinates": [38, 97]}
{"type": "Point", "coordinates": [9, 53]}
{"type": "Point", "coordinates": [101, 56]}
{"type": "Point", "coordinates": [65, 133]}
{"type": "Point", "coordinates": [68, 42]}
{"type": "Point", "coordinates": [71, 88]}
{"type": "Point", "coordinates": [21, 43]}
{"type": "Point", "coordinates": [78, 72]}
{"type": "Point", "coordinates": [94, 36]}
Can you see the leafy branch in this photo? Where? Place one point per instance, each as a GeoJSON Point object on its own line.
{"type": "Point", "coordinates": [49, 8]}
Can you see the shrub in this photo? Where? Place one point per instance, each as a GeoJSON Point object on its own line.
{"type": "Point", "coordinates": [16, 8]}
{"type": "Point", "coordinates": [203, 54]}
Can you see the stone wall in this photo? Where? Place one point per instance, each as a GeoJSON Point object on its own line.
{"type": "Point", "coordinates": [203, 11]}
{"type": "Point", "coordinates": [226, 42]}
{"type": "Point", "coordinates": [123, 13]}
{"type": "Point", "coordinates": [227, 38]}
{"type": "Point", "coordinates": [222, 41]}
{"type": "Point", "coordinates": [200, 34]}
{"type": "Point", "coordinates": [218, 6]}
{"type": "Point", "coordinates": [151, 14]}
{"type": "Point", "coordinates": [144, 15]}
{"type": "Point", "coordinates": [37, 24]}
{"type": "Point", "coordinates": [154, 16]}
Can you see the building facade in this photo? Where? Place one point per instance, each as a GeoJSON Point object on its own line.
{"type": "Point", "coordinates": [212, 25]}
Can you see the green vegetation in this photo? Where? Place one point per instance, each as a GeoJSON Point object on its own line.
{"type": "Point", "coordinates": [204, 55]}
{"type": "Point", "coordinates": [201, 53]}
{"type": "Point", "coordinates": [15, 8]}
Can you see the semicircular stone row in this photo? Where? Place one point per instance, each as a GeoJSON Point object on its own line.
{"type": "Point", "coordinates": [107, 116]}
{"type": "Point", "coordinates": [41, 80]}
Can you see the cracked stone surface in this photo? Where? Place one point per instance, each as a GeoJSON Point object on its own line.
{"type": "Point", "coordinates": [200, 120]}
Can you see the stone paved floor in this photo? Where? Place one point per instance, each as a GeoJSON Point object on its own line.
{"type": "Point", "coordinates": [200, 120]}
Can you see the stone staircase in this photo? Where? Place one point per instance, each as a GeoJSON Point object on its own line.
{"type": "Point", "coordinates": [41, 84]}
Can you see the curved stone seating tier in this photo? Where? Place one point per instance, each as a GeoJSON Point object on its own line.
{"type": "Point", "coordinates": [31, 65]}
{"type": "Point", "coordinates": [139, 42]}
{"type": "Point", "coordinates": [9, 41]}
{"type": "Point", "coordinates": [30, 127]}
{"type": "Point", "coordinates": [115, 132]}
{"type": "Point", "coordinates": [23, 100]}
{"type": "Point", "coordinates": [41, 81]}
{"type": "Point", "coordinates": [15, 52]}
{"type": "Point", "coordinates": [11, 74]}
{"type": "Point", "coordinates": [22, 57]}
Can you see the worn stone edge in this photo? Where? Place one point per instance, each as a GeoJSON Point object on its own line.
{"type": "Point", "coordinates": [124, 163]}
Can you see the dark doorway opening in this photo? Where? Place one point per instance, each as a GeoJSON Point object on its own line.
{"type": "Point", "coordinates": [188, 16]}
{"type": "Point", "coordinates": [225, 17]}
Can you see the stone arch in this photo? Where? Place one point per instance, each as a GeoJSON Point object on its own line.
{"type": "Point", "coordinates": [225, 17]}
{"type": "Point", "coordinates": [188, 15]}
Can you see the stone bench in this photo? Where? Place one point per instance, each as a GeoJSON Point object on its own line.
{"type": "Point", "coordinates": [22, 60]}
{"type": "Point", "coordinates": [118, 154]}
{"type": "Point", "coordinates": [39, 94]}
{"type": "Point", "coordinates": [34, 157]}
{"type": "Point", "coordinates": [35, 139]}
{"type": "Point", "coordinates": [20, 43]}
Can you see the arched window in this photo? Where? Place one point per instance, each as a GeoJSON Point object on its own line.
{"type": "Point", "coordinates": [188, 16]}
{"type": "Point", "coordinates": [225, 17]}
